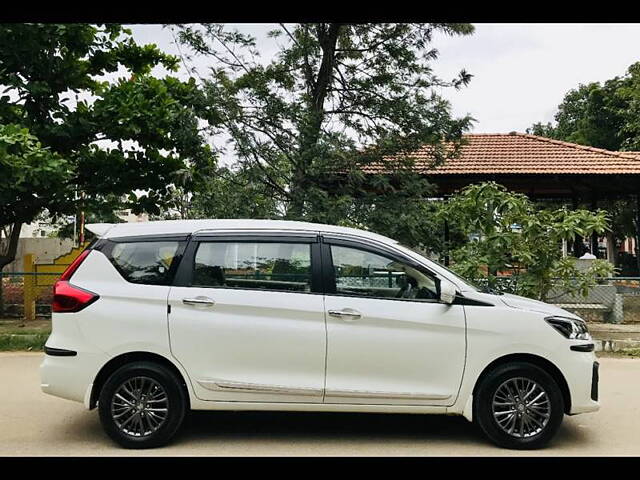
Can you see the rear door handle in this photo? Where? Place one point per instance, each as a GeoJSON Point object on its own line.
{"type": "Point", "coordinates": [346, 314]}
{"type": "Point", "coordinates": [205, 301]}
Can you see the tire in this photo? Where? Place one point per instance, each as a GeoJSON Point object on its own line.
{"type": "Point", "coordinates": [533, 422]}
{"type": "Point", "coordinates": [153, 419]}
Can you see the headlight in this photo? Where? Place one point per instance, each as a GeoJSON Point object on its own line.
{"type": "Point", "coordinates": [570, 328]}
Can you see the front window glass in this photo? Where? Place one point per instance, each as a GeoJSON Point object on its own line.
{"type": "Point", "coordinates": [268, 266]}
{"type": "Point", "coordinates": [365, 274]}
{"type": "Point", "coordinates": [471, 284]}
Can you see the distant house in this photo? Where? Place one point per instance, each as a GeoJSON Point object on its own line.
{"type": "Point", "coordinates": [128, 217]}
{"type": "Point", "coordinates": [37, 229]}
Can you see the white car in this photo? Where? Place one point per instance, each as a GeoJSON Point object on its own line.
{"type": "Point", "coordinates": [156, 319]}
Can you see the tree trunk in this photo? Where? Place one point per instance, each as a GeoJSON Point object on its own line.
{"type": "Point", "coordinates": [8, 249]}
{"type": "Point", "coordinates": [312, 124]}
{"type": "Point", "coordinates": [9, 243]}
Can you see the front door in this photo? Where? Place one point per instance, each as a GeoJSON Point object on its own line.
{"type": "Point", "coordinates": [390, 340]}
{"type": "Point", "coordinates": [247, 322]}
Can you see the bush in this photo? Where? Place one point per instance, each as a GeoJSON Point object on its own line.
{"type": "Point", "coordinates": [509, 236]}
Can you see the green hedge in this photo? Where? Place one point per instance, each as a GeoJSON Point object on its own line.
{"type": "Point", "coordinates": [14, 342]}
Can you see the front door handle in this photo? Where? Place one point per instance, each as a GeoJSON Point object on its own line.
{"type": "Point", "coordinates": [205, 301]}
{"type": "Point", "coordinates": [347, 314]}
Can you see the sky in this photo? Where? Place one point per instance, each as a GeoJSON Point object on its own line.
{"type": "Point", "coordinates": [521, 72]}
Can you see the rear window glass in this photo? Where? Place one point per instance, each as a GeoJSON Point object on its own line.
{"type": "Point", "coordinates": [144, 262]}
{"type": "Point", "coordinates": [269, 266]}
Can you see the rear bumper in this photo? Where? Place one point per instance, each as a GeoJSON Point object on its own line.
{"type": "Point", "coordinates": [69, 377]}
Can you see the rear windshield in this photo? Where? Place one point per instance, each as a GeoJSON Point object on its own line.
{"type": "Point", "coordinates": [144, 262]}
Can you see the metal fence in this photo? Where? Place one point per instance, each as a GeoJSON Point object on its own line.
{"type": "Point", "coordinates": [35, 290]}
{"type": "Point", "coordinates": [614, 300]}
{"type": "Point", "coordinates": [611, 300]}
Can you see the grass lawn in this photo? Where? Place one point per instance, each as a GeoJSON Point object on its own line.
{"type": "Point", "coordinates": [26, 336]}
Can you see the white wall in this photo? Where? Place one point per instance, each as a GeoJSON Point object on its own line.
{"type": "Point", "coordinates": [44, 249]}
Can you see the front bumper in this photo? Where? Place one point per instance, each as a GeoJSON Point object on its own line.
{"type": "Point", "coordinates": [582, 375]}
{"type": "Point", "coordinates": [595, 379]}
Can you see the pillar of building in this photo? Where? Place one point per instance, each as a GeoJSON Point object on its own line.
{"type": "Point", "coordinates": [594, 236]}
{"type": "Point", "coordinates": [637, 239]}
{"type": "Point", "coordinates": [446, 244]}
{"type": "Point", "coordinates": [577, 240]}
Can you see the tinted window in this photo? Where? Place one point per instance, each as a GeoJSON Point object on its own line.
{"type": "Point", "coordinates": [144, 262]}
{"type": "Point", "coordinates": [365, 274]}
{"type": "Point", "coordinates": [270, 266]}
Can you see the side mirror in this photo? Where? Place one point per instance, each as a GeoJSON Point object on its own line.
{"type": "Point", "coordinates": [447, 291]}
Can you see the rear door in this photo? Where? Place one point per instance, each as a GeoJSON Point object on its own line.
{"type": "Point", "coordinates": [247, 318]}
{"type": "Point", "coordinates": [132, 275]}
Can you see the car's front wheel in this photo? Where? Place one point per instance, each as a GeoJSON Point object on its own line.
{"type": "Point", "coordinates": [142, 405]}
{"type": "Point", "coordinates": [519, 406]}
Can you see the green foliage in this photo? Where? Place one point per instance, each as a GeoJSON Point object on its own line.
{"type": "Point", "coordinates": [335, 99]}
{"type": "Point", "coordinates": [513, 236]}
{"type": "Point", "coordinates": [600, 115]}
{"type": "Point", "coordinates": [28, 342]}
{"type": "Point", "coordinates": [234, 194]}
{"type": "Point", "coordinates": [116, 137]}
{"type": "Point", "coordinates": [31, 174]}
{"type": "Point", "coordinates": [606, 116]}
{"type": "Point", "coordinates": [222, 193]}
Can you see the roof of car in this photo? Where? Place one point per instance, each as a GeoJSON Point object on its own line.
{"type": "Point", "coordinates": [168, 227]}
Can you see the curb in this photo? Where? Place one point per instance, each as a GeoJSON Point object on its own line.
{"type": "Point", "coordinates": [609, 345]}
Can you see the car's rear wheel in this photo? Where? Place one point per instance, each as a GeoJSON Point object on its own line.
{"type": "Point", "coordinates": [142, 405]}
{"type": "Point", "coordinates": [519, 406]}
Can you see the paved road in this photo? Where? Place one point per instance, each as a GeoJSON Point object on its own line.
{"type": "Point", "coordinates": [32, 423]}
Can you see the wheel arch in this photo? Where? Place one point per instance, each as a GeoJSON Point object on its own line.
{"type": "Point", "coordinates": [536, 360]}
{"type": "Point", "coordinates": [120, 360]}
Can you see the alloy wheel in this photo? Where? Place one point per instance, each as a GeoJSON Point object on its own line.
{"type": "Point", "coordinates": [140, 406]}
{"type": "Point", "coordinates": [521, 407]}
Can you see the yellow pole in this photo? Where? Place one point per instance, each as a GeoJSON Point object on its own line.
{"type": "Point", "coordinates": [29, 288]}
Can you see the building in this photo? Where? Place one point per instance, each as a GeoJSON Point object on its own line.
{"type": "Point", "coordinates": [542, 169]}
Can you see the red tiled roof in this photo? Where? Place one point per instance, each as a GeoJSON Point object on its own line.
{"type": "Point", "coordinates": [520, 153]}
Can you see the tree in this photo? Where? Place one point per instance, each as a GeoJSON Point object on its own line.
{"type": "Point", "coordinates": [234, 193]}
{"type": "Point", "coordinates": [335, 99]}
{"type": "Point", "coordinates": [604, 116]}
{"type": "Point", "coordinates": [115, 137]}
{"type": "Point", "coordinates": [599, 115]}
{"type": "Point", "coordinates": [34, 175]}
{"type": "Point", "coordinates": [513, 237]}
{"type": "Point", "coordinates": [227, 193]}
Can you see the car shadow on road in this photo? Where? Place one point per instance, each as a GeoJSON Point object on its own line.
{"type": "Point", "coordinates": [326, 426]}
{"type": "Point", "coordinates": [330, 427]}
{"type": "Point", "coordinates": [243, 430]}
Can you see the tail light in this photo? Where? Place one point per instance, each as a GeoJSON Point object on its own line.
{"type": "Point", "coordinates": [68, 297]}
{"type": "Point", "coordinates": [71, 269]}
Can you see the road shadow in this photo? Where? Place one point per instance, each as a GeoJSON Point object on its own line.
{"type": "Point", "coordinates": [448, 435]}
{"type": "Point", "coordinates": [319, 426]}
{"type": "Point", "coordinates": [354, 427]}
